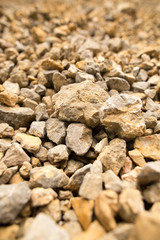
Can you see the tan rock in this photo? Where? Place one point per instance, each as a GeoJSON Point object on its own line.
{"type": "Point", "coordinates": [25, 170]}
{"type": "Point", "coordinates": [137, 157]}
{"type": "Point", "coordinates": [38, 34]}
{"type": "Point", "coordinates": [73, 228]}
{"type": "Point", "coordinates": [8, 98]}
{"type": "Point", "coordinates": [53, 210]}
{"type": "Point", "coordinates": [84, 210]}
{"type": "Point", "coordinates": [7, 174]}
{"type": "Point", "coordinates": [16, 178]}
{"type": "Point", "coordinates": [112, 181]}
{"type": "Point", "coordinates": [49, 64]}
{"type": "Point", "coordinates": [9, 232]}
{"type": "Point", "coordinates": [132, 175]}
{"type": "Point", "coordinates": [149, 146]}
{"type": "Point", "coordinates": [41, 196]}
{"type": "Point", "coordinates": [28, 142]}
{"type": "Point", "coordinates": [106, 206]}
{"type": "Point", "coordinates": [6, 130]}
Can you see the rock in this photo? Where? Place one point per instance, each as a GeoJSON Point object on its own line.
{"type": "Point", "coordinates": [132, 175]}
{"type": "Point", "coordinates": [73, 166]}
{"type": "Point", "coordinates": [115, 44]}
{"type": "Point", "coordinates": [152, 193]}
{"type": "Point", "coordinates": [16, 116]}
{"type": "Point", "coordinates": [12, 199]}
{"type": "Point", "coordinates": [70, 216]}
{"type": "Point", "coordinates": [30, 104]}
{"type": "Point", "coordinates": [140, 86]}
{"type": "Point", "coordinates": [15, 155]}
{"type": "Point", "coordinates": [101, 145]}
{"type": "Point", "coordinates": [80, 102]}
{"type": "Point", "coordinates": [58, 153]}
{"type": "Point", "coordinates": [53, 210]}
{"type": "Point", "coordinates": [113, 156]}
{"type": "Point", "coordinates": [48, 177]}
{"type": "Point", "coordinates": [41, 112]}
{"type": "Point", "coordinates": [20, 78]}
{"type": "Point", "coordinates": [56, 130]}
{"type": "Point", "coordinates": [7, 175]}
{"type": "Point", "coordinates": [45, 231]}
{"type": "Point", "coordinates": [112, 181]}
{"type": "Point", "coordinates": [137, 157]}
{"type": "Point", "coordinates": [149, 174]}
{"type": "Point", "coordinates": [82, 76]}
{"type": "Point", "coordinates": [31, 94]}
{"type": "Point", "coordinates": [42, 154]}
{"type": "Point", "coordinates": [38, 34]}
{"type": "Point", "coordinates": [41, 196]}
{"type": "Point", "coordinates": [9, 232]}
{"type": "Point", "coordinates": [3, 167]}
{"type": "Point", "coordinates": [120, 107]}
{"type": "Point", "coordinates": [25, 170]}
{"type": "Point", "coordinates": [30, 143]}
{"type": "Point", "coordinates": [142, 76]}
{"type": "Point", "coordinates": [63, 195]}
{"type": "Point", "coordinates": [49, 64]}
{"type": "Point", "coordinates": [130, 204]}
{"type": "Point", "coordinates": [5, 143]}
{"type": "Point", "coordinates": [6, 130]}
{"type": "Point", "coordinates": [77, 178]}
{"type": "Point", "coordinates": [79, 138]}
{"type": "Point", "coordinates": [37, 129]}
{"type": "Point", "coordinates": [106, 206]}
{"type": "Point", "coordinates": [84, 210]}
{"type": "Point", "coordinates": [149, 146]}
{"type": "Point", "coordinates": [118, 84]}
{"type": "Point", "coordinates": [73, 228]}
{"type": "Point", "coordinates": [8, 98]}
{"type": "Point", "coordinates": [59, 80]}
{"type": "Point", "coordinates": [127, 167]}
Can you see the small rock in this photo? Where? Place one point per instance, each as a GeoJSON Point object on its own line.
{"type": "Point", "coordinates": [30, 103]}
{"type": "Point", "coordinates": [38, 34]}
{"type": "Point", "coordinates": [73, 166]}
{"type": "Point", "coordinates": [8, 98]}
{"type": "Point", "coordinates": [53, 210]}
{"type": "Point", "coordinates": [6, 130]}
{"type": "Point", "coordinates": [20, 78]}
{"type": "Point", "coordinates": [37, 129]}
{"type": "Point", "coordinates": [58, 153]}
{"type": "Point", "coordinates": [132, 175]}
{"type": "Point", "coordinates": [41, 112]}
{"type": "Point", "coordinates": [5, 144]}
{"type": "Point", "coordinates": [137, 157]}
{"type": "Point", "coordinates": [152, 193]}
{"type": "Point", "coordinates": [42, 154]}
{"type": "Point", "coordinates": [7, 175]}
{"type": "Point", "coordinates": [41, 196]}
{"type": "Point", "coordinates": [25, 170]}
{"type": "Point", "coordinates": [49, 64]}
{"type": "Point", "coordinates": [112, 181]}
{"type": "Point", "coordinates": [101, 145]}
{"type": "Point", "coordinates": [31, 94]}
{"type": "Point", "coordinates": [140, 86]}
{"type": "Point", "coordinates": [3, 167]}
{"type": "Point", "coordinates": [118, 84]}
{"type": "Point", "coordinates": [73, 228]}
{"type": "Point", "coordinates": [9, 232]}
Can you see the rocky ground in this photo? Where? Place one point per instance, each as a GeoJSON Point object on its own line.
{"type": "Point", "coordinates": [79, 120]}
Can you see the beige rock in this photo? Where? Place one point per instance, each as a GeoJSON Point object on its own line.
{"type": "Point", "coordinates": [8, 98]}
{"type": "Point", "coordinates": [84, 210]}
{"type": "Point", "coordinates": [6, 130]}
{"type": "Point", "coordinates": [137, 157]}
{"type": "Point", "coordinates": [101, 145]}
{"type": "Point", "coordinates": [112, 181]}
{"type": "Point", "coordinates": [7, 174]}
{"type": "Point", "coordinates": [73, 228]}
{"type": "Point", "coordinates": [63, 195]}
{"type": "Point", "coordinates": [152, 193]}
{"type": "Point", "coordinates": [80, 102]}
{"type": "Point", "coordinates": [16, 178]}
{"type": "Point", "coordinates": [65, 205]}
{"type": "Point", "coordinates": [73, 166]}
{"type": "Point", "coordinates": [28, 142]}
{"type": "Point", "coordinates": [70, 215]}
{"type": "Point", "coordinates": [58, 153]}
{"type": "Point", "coordinates": [53, 210]}
{"type": "Point", "coordinates": [49, 64]}
{"type": "Point", "coordinates": [41, 196]}
{"type": "Point", "coordinates": [38, 34]}
{"type": "Point", "coordinates": [9, 232]}
{"type": "Point", "coordinates": [130, 204]}
{"type": "Point", "coordinates": [3, 167]}
{"type": "Point", "coordinates": [132, 175]}
{"type": "Point", "coordinates": [37, 129]}
{"type": "Point", "coordinates": [25, 170]}
{"type": "Point", "coordinates": [113, 156]}
{"type": "Point", "coordinates": [106, 206]}
{"type": "Point", "coordinates": [149, 146]}
{"type": "Point", "coordinates": [155, 207]}
{"type": "Point", "coordinates": [127, 167]}
{"type": "Point", "coordinates": [79, 138]}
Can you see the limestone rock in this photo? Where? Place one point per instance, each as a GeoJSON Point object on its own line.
{"type": "Point", "coordinates": [53, 210]}
{"type": "Point", "coordinates": [6, 130]}
{"type": "Point", "coordinates": [25, 170]}
{"type": "Point", "coordinates": [58, 153]}
{"type": "Point", "coordinates": [80, 102]}
{"type": "Point", "coordinates": [41, 196]}
{"type": "Point", "coordinates": [152, 193]}
{"type": "Point", "coordinates": [79, 138]}
{"type": "Point", "coordinates": [8, 98]}
{"type": "Point", "coordinates": [3, 167]}
{"type": "Point", "coordinates": [37, 129]}
{"type": "Point", "coordinates": [118, 84]}
{"type": "Point", "coordinates": [9, 232]}
{"type": "Point", "coordinates": [12, 199]}
{"type": "Point", "coordinates": [101, 145]}
{"type": "Point", "coordinates": [137, 157]}
{"type": "Point", "coordinates": [7, 175]}
{"type": "Point", "coordinates": [48, 177]}
{"type": "Point", "coordinates": [112, 181]}
{"type": "Point", "coordinates": [73, 228]}
{"type": "Point", "coordinates": [5, 144]}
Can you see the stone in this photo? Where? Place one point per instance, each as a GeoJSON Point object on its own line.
{"type": "Point", "coordinates": [137, 157]}
{"type": "Point", "coordinates": [149, 146]}
{"type": "Point", "coordinates": [115, 44]}
{"type": "Point", "coordinates": [106, 206]}
{"type": "Point", "coordinates": [5, 144]}
{"type": "Point", "coordinates": [117, 83]}
{"type": "Point", "coordinates": [6, 130]}
{"type": "Point", "coordinates": [122, 115]}
{"type": "Point", "coordinates": [49, 64]}
{"type": "Point", "coordinates": [132, 175]}
{"type": "Point", "coordinates": [16, 178]}
{"type": "Point", "coordinates": [25, 170]}
{"type": "Point", "coordinates": [3, 167]}
{"type": "Point", "coordinates": [48, 177]}
{"type": "Point", "coordinates": [101, 145]}
{"type": "Point", "coordinates": [7, 175]}
{"type": "Point", "coordinates": [56, 130]}
{"type": "Point", "coordinates": [30, 143]}
{"type": "Point", "coordinates": [142, 75]}
{"type": "Point", "coordinates": [84, 210]}
{"type": "Point", "coordinates": [41, 112]}
{"type": "Point", "coordinates": [16, 116]}
{"type": "Point", "coordinates": [112, 181]}
{"type": "Point", "coordinates": [140, 86]}
{"type": "Point", "coordinates": [79, 138]}
{"type": "Point", "coordinates": [27, 102]}
{"type": "Point", "coordinates": [15, 156]}
{"type": "Point", "coordinates": [9, 232]}
{"type": "Point", "coordinates": [152, 193]}
{"type": "Point", "coordinates": [37, 129]}
{"type": "Point", "coordinates": [80, 102]}
{"type": "Point", "coordinates": [42, 48]}
{"type": "Point", "coordinates": [91, 45]}
{"type": "Point", "coordinates": [149, 174]}
{"type": "Point", "coordinates": [73, 166]}
{"type": "Point", "coordinates": [13, 197]}
{"type": "Point", "coordinates": [42, 154]}
{"type": "Point", "coordinates": [20, 78]}
{"type": "Point", "coordinates": [82, 76]}
{"type": "Point", "coordinates": [38, 34]}
{"type": "Point", "coordinates": [113, 156]}
{"type": "Point", "coordinates": [31, 94]}
{"type": "Point", "coordinates": [63, 195]}
{"type": "Point", "coordinates": [73, 228]}
{"type": "Point", "coordinates": [8, 98]}
{"type": "Point", "coordinates": [59, 80]}
{"type": "Point", "coordinates": [41, 196]}
{"type": "Point", "coordinates": [58, 153]}
{"type": "Point", "coordinates": [130, 204]}
{"type": "Point", "coordinates": [45, 231]}
{"type": "Point", "coordinates": [70, 216]}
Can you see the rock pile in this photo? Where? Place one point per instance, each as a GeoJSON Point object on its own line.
{"type": "Point", "coordinates": [79, 121]}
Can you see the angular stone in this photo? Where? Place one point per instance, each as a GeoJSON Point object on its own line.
{"type": "Point", "coordinates": [42, 154]}
{"type": "Point", "coordinates": [84, 210]}
{"type": "Point", "coordinates": [122, 115]}
{"type": "Point", "coordinates": [73, 228]}
{"type": "Point", "coordinates": [73, 166]}
{"type": "Point", "coordinates": [118, 84]}
{"type": "Point", "coordinates": [3, 167]}
{"type": "Point", "coordinates": [37, 129]}
{"type": "Point", "coordinates": [49, 64]}
{"type": "Point", "coordinates": [31, 94]}
{"type": "Point", "coordinates": [130, 204]}
{"type": "Point", "coordinates": [137, 157]}
{"type": "Point", "coordinates": [112, 181]}
{"type": "Point", "coordinates": [15, 155]}
{"type": "Point", "coordinates": [41, 196]}
{"type": "Point", "coordinates": [79, 138]}
{"type": "Point", "coordinates": [38, 34]}
{"type": "Point", "coordinates": [70, 216]}
{"type": "Point", "coordinates": [8, 98]}
{"type": "Point", "coordinates": [101, 145]}
{"type": "Point", "coordinates": [48, 177]}
{"type": "Point", "coordinates": [41, 112]}
{"type": "Point", "coordinates": [58, 153]}
{"type": "Point", "coordinates": [6, 130]}
{"type": "Point", "coordinates": [132, 175]}
{"type": "Point", "coordinates": [46, 231]}
{"type": "Point", "coordinates": [27, 102]}
{"type": "Point", "coordinates": [113, 156]}
{"type": "Point", "coordinates": [12, 87]}
{"type": "Point", "coordinates": [59, 80]}
{"type": "Point", "coordinates": [20, 78]}
{"type": "Point", "coordinates": [80, 102]}
{"type": "Point", "coordinates": [53, 210]}
{"type": "Point", "coordinates": [25, 170]}
{"type": "Point", "coordinates": [16, 116]}
{"type": "Point", "coordinates": [12, 199]}
{"type": "Point", "coordinates": [152, 193]}
{"type": "Point", "coordinates": [7, 175]}
{"type": "Point", "coordinates": [9, 232]}
{"type": "Point", "coordinates": [5, 143]}
{"type": "Point", "coordinates": [149, 146]}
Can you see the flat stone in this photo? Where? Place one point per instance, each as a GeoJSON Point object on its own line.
{"type": "Point", "coordinates": [12, 199]}
{"type": "Point", "coordinates": [15, 156]}
{"type": "Point", "coordinates": [80, 102]}
{"type": "Point", "coordinates": [37, 129]}
{"type": "Point", "coordinates": [16, 116]}
{"type": "Point", "coordinates": [58, 153]}
{"type": "Point", "coordinates": [118, 84]}
{"type": "Point", "coordinates": [79, 138]}
{"type": "Point", "coordinates": [41, 196]}
{"type": "Point", "coordinates": [45, 231]}
{"type": "Point", "coordinates": [84, 210]}
{"type": "Point", "coordinates": [56, 130]}
{"type": "Point", "coordinates": [137, 157]}
{"type": "Point", "coordinates": [8, 98]}
{"type": "Point", "coordinates": [48, 177]}
{"type": "Point", "coordinates": [149, 146]}
{"type": "Point", "coordinates": [113, 156]}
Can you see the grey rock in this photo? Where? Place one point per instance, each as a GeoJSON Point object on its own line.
{"type": "Point", "coordinates": [82, 76]}
{"type": "Point", "coordinates": [118, 84]}
{"type": "Point", "coordinates": [73, 166]}
{"type": "Point", "coordinates": [37, 129]}
{"type": "Point", "coordinates": [42, 154]}
{"type": "Point", "coordinates": [112, 181]}
{"type": "Point", "coordinates": [58, 153]}
{"type": "Point", "coordinates": [140, 86]}
{"type": "Point", "coordinates": [31, 94]}
{"type": "Point", "coordinates": [41, 112]}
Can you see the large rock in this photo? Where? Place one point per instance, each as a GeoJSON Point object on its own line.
{"type": "Point", "coordinates": [12, 199]}
{"type": "Point", "coordinates": [15, 156]}
{"type": "Point", "coordinates": [79, 138]}
{"type": "Point", "coordinates": [149, 146]}
{"type": "Point", "coordinates": [16, 116]}
{"type": "Point", "coordinates": [113, 156]}
{"type": "Point", "coordinates": [80, 102]}
{"type": "Point", "coordinates": [48, 177]}
{"type": "Point", "coordinates": [122, 115]}
{"type": "Point", "coordinates": [43, 227]}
